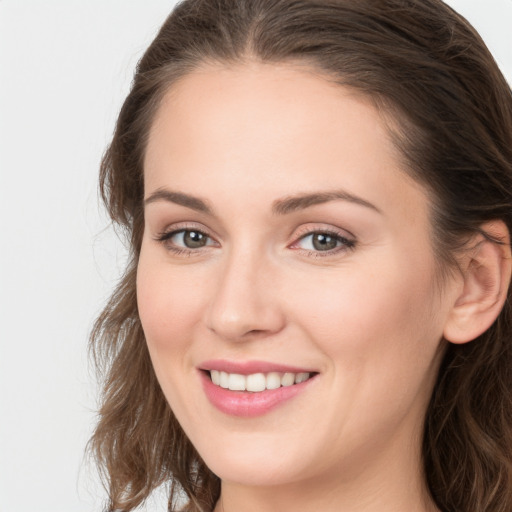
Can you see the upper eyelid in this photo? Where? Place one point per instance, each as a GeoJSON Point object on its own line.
{"type": "Point", "coordinates": [296, 233]}
{"type": "Point", "coordinates": [342, 233]}
{"type": "Point", "coordinates": [186, 226]}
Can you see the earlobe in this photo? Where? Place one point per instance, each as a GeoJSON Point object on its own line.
{"type": "Point", "coordinates": [486, 269]}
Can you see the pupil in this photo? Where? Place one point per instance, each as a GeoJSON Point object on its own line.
{"type": "Point", "coordinates": [324, 242]}
{"type": "Point", "coordinates": [193, 239]}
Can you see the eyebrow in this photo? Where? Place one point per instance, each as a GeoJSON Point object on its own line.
{"type": "Point", "coordinates": [180, 198]}
{"type": "Point", "coordinates": [302, 201]}
{"type": "Point", "coordinates": [279, 207]}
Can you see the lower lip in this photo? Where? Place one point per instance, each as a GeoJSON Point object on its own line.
{"type": "Point", "coordinates": [246, 404]}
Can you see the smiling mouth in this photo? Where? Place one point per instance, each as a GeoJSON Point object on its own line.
{"type": "Point", "coordinates": [257, 382]}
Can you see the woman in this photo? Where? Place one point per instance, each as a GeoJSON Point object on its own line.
{"type": "Point", "coordinates": [316, 314]}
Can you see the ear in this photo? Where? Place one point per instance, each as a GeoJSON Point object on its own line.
{"type": "Point", "coordinates": [486, 271]}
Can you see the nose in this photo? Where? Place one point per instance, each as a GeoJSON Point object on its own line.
{"type": "Point", "coordinates": [244, 305]}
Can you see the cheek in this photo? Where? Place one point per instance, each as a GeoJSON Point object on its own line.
{"type": "Point", "coordinates": [169, 303]}
{"type": "Point", "coordinates": [169, 309]}
{"type": "Point", "coordinates": [381, 322]}
{"type": "Point", "coordinates": [380, 336]}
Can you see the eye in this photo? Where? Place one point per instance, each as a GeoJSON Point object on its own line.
{"type": "Point", "coordinates": [190, 239]}
{"type": "Point", "coordinates": [185, 240]}
{"type": "Point", "coordinates": [324, 241]}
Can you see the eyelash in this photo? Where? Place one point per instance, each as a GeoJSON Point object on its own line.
{"type": "Point", "coordinates": [346, 243]}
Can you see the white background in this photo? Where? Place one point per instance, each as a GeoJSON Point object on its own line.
{"type": "Point", "coordinates": [65, 67]}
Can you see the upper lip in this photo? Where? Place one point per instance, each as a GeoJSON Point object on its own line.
{"type": "Point", "coordinates": [250, 367]}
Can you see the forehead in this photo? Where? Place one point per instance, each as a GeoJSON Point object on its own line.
{"type": "Point", "coordinates": [278, 129]}
{"type": "Point", "coordinates": [264, 106]}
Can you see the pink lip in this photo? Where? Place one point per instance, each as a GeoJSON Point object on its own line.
{"type": "Point", "coordinates": [248, 367]}
{"type": "Point", "coordinates": [247, 404]}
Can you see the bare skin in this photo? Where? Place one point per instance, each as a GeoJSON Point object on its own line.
{"type": "Point", "coordinates": [345, 286]}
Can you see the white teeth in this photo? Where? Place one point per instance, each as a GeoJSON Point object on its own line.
{"type": "Point", "coordinates": [273, 380]}
{"type": "Point", "coordinates": [236, 382]}
{"type": "Point", "coordinates": [224, 380]}
{"type": "Point", "coordinates": [288, 379]}
{"type": "Point", "coordinates": [256, 382]}
{"type": "Point", "coordinates": [215, 376]}
{"type": "Point", "coordinates": [301, 377]}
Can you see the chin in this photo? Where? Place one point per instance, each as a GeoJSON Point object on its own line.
{"type": "Point", "coordinates": [253, 464]}
{"type": "Point", "coordinates": [250, 474]}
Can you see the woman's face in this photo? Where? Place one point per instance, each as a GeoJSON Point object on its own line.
{"type": "Point", "coordinates": [283, 242]}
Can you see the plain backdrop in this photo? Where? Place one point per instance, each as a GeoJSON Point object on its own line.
{"type": "Point", "coordinates": [65, 67]}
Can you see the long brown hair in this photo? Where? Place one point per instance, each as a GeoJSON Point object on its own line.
{"type": "Point", "coordinates": [425, 66]}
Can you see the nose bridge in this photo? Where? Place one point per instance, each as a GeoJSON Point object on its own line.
{"type": "Point", "coordinates": [243, 303]}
